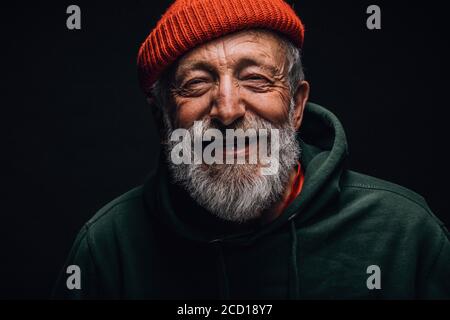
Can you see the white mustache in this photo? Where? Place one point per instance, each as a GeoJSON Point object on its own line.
{"type": "Point", "coordinates": [191, 145]}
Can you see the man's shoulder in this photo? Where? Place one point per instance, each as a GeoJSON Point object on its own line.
{"type": "Point", "coordinates": [387, 199]}
{"type": "Point", "coordinates": [118, 206]}
{"type": "Point", "coordinates": [389, 190]}
{"type": "Point", "coordinates": [124, 213]}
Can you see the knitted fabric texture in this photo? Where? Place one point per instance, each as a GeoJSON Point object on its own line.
{"type": "Point", "coordinates": [189, 23]}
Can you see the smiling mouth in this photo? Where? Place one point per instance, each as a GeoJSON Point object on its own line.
{"type": "Point", "coordinates": [235, 149]}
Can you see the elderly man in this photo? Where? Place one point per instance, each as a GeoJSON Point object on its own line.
{"type": "Point", "coordinates": [309, 229]}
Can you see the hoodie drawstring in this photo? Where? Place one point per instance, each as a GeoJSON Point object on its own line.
{"type": "Point", "coordinates": [223, 277]}
{"type": "Point", "coordinates": [294, 288]}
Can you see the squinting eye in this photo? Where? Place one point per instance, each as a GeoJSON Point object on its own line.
{"type": "Point", "coordinates": [194, 87]}
{"type": "Point", "coordinates": [195, 81]}
{"type": "Point", "coordinates": [255, 78]}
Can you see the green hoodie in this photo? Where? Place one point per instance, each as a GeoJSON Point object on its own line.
{"type": "Point", "coordinates": [346, 236]}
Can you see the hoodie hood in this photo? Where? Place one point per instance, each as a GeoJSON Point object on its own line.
{"type": "Point", "coordinates": [323, 152]}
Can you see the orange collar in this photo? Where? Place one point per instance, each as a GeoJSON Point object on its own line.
{"type": "Point", "coordinates": [296, 186]}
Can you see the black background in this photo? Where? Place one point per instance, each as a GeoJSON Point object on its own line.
{"type": "Point", "coordinates": [79, 133]}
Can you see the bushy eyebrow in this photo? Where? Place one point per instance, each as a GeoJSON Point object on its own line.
{"type": "Point", "coordinates": [240, 65]}
{"type": "Point", "coordinates": [198, 65]}
{"type": "Point", "coordinates": [250, 62]}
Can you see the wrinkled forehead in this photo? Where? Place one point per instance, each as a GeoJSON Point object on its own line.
{"type": "Point", "coordinates": [261, 47]}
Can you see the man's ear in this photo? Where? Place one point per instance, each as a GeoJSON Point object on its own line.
{"type": "Point", "coordinates": [300, 98]}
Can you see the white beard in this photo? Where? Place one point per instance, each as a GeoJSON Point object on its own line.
{"type": "Point", "coordinates": [238, 192]}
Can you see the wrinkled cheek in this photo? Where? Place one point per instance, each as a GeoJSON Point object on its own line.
{"type": "Point", "coordinates": [272, 107]}
{"type": "Point", "coordinates": [188, 110]}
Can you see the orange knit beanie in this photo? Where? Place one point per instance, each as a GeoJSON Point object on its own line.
{"type": "Point", "coordinates": [189, 23]}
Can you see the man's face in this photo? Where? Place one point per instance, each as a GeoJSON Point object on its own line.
{"type": "Point", "coordinates": [230, 77]}
{"type": "Point", "coordinates": [239, 81]}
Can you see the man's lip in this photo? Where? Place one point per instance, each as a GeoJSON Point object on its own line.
{"type": "Point", "coordinates": [232, 149]}
{"type": "Point", "coordinates": [229, 149]}
{"type": "Point", "coordinates": [235, 151]}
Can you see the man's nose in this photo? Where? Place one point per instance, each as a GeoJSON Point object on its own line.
{"type": "Point", "coordinates": [227, 106]}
